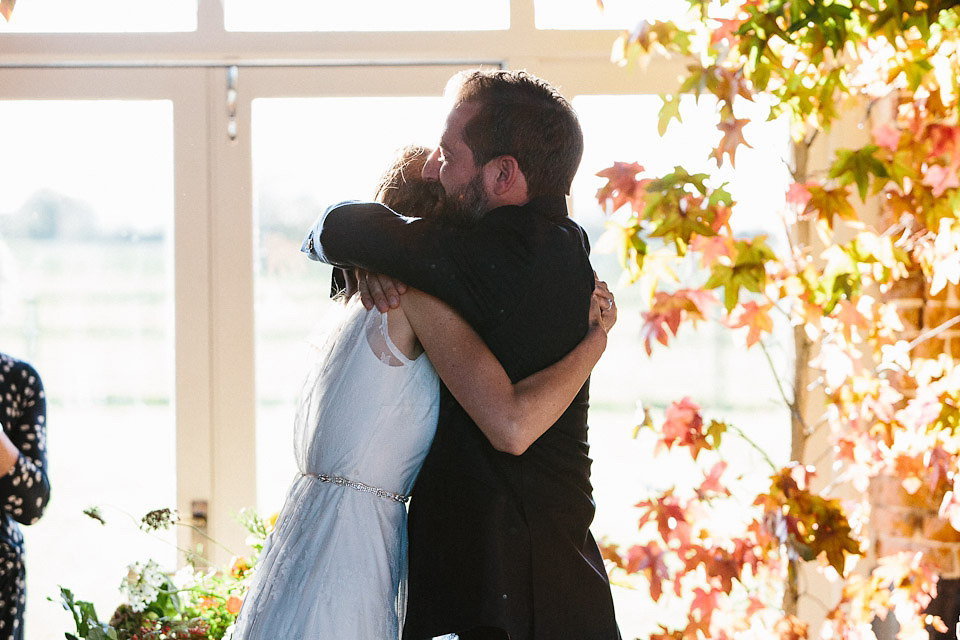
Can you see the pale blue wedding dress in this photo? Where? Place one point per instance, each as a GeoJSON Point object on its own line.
{"type": "Point", "coordinates": [335, 564]}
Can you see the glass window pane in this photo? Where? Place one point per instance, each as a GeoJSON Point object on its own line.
{"type": "Point", "coordinates": [86, 297]}
{"type": "Point", "coordinates": [706, 364]}
{"type": "Point", "coordinates": [103, 16]}
{"type": "Point", "coordinates": [309, 153]}
{"type": "Point", "coordinates": [615, 14]}
{"type": "Point", "coordinates": [367, 15]}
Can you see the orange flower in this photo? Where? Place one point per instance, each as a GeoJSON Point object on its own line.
{"type": "Point", "coordinates": [207, 602]}
{"type": "Point", "coordinates": [272, 521]}
{"type": "Point", "coordinates": [233, 604]}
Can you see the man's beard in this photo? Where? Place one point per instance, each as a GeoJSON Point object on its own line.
{"type": "Point", "coordinates": [470, 203]}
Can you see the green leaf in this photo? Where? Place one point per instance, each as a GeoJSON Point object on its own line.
{"type": "Point", "coordinates": [857, 166]}
{"type": "Point", "coordinates": [696, 82]}
{"type": "Point", "coordinates": [827, 203]}
{"type": "Point", "coordinates": [669, 111]}
{"type": "Point", "coordinates": [915, 71]}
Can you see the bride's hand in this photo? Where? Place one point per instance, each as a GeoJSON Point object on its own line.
{"type": "Point", "coordinates": [603, 308]}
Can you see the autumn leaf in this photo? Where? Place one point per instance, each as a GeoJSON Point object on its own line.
{"type": "Point", "coordinates": [725, 32]}
{"type": "Point", "coordinates": [649, 559]}
{"type": "Point", "coordinates": [887, 136]}
{"type": "Point", "coordinates": [850, 318]}
{"type": "Point", "coordinates": [732, 138]}
{"type": "Point", "coordinates": [711, 484]}
{"type": "Point", "coordinates": [944, 140]}
{"type": "Point", "coordinates": [790, 628]}
{"type": "Point", "coordinates": [940, 178]}
{"type": "Point", "coordinates": [798, 193]}
{"type": "Point", "coordinates": [667, 634]}
{"type": "Point", "coordinates": [827, 203]}
{"type": "Point", "coordinates": [756, 318]}
{"type": "Point", "coordinates": [6, 8]}
{"type": "Point", "coordinates": [669, 310]}
{"type": "Point", "coordinates": [748, 270]}
{"type": "Point", "coordinates": [705, 602]}
{"type": "Point", "coordinates": [669, 111]}
{"type": "Point", "coordinates": [622, 186]}
{"type": "Point", "coordinates": [857, 166]}
{"type": "Point", "coordinates": [682, 417]}
{"type": "Point", "coordinates": [713, 249]}
{"type": "Point", "coordinates": [610, 552]}
{"type": "Point", "coordinates": [669, 516]}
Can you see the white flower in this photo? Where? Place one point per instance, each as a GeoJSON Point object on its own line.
{"type": "Point", "coordinates": [185, 577]}
{"type": "Point", "coordinates": [142, 584]}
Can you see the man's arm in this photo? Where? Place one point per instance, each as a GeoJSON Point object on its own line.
{"type": "Point", "coordinates": [436, 258]}
{"type": "Point", "coordinates": [368, 235]}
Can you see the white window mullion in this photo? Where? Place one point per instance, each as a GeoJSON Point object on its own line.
{"type": "Point", "coordinates": [233, 454]}
{"type": "Point", "coordinates": [192, 268]}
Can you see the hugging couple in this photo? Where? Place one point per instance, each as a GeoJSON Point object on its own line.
{"type": "Point", "coordinates": [455, 387]}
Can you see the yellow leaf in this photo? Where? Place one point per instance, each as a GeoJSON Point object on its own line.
{"type": "Point", "coordinates": [6, 8]}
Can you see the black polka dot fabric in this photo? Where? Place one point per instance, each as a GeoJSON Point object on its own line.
{"type": "Point", "coordinates": [25, 489]}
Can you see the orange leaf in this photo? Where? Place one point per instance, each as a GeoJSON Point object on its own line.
{"type": "Point", "coordinates": [712, 249]}
{"type": "Point", "coordinates": [725, 32]}
{"type": "Point", "coordinates": [732, 138]}
{"type": "Point", "coordinates": [757, 318]}
{"type": "Point", "coordinates": [790, 628]}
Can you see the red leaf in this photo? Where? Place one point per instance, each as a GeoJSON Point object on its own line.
{"type": "Point", "coordinates": [622, 186]}
{"type": "Point", "coordinates": [649, 559]}
{"type": "Point", "coordinates": [668, 310]}
{"type": "Point", "coordinates": [711, 481]}
{"type": "Point", "coordinates": [683, 424]}
{"type": "Point", "coordinates": [798, 193]}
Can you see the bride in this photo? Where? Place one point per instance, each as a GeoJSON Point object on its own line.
{"type": "Point", "coordinates": [334, 567]}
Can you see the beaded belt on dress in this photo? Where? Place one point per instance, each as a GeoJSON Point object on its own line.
{"type": "Point", "coordinates": [358, 486]}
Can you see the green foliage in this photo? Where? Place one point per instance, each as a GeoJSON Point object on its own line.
{"type": "Point", "coordinates": [193, 603]}
{"type": "Point", "coordinates": [88, 626]}
{"type": "Point", "coordinates": [890, 408]}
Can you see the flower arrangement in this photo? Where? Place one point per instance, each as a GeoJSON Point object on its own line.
{"type": "Point", "coordinates": [196, 602]}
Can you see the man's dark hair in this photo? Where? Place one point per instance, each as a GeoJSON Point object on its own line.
{"type": "Point", "coordinates": [522, 116]}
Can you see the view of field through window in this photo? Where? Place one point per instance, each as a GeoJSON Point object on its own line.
{"type": "Point", "coordinates": [87, 298]}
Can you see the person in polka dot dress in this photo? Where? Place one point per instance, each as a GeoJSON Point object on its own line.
{"type": "Point", "coordinates": [24, 486]}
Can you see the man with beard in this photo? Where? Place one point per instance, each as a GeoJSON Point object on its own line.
{"type": "Point", "coordinates": [499, 540]}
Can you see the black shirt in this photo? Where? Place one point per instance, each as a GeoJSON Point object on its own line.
{"type": "Point", "coordinates": [494, 539]}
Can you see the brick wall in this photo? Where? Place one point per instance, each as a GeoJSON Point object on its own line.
{"type": "Point", "coordinates": [901, 521]}
{"type": "Point", "coordinates": [921, 312]}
